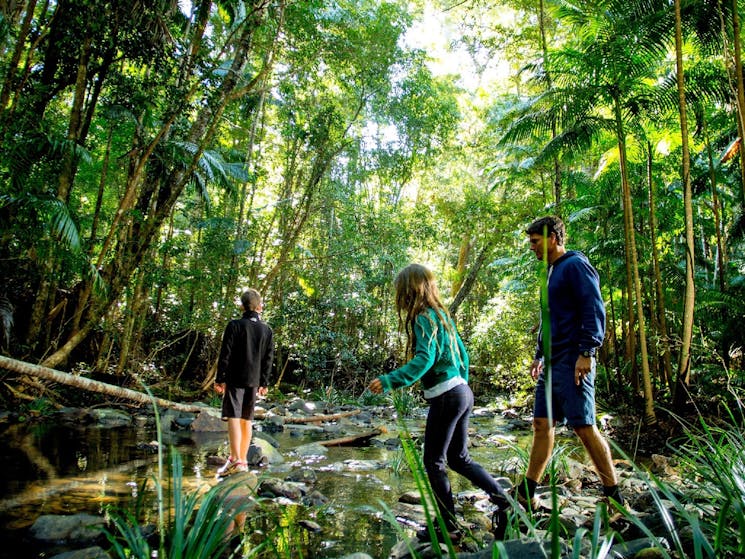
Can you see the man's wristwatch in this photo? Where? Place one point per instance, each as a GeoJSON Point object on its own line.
{"type": "Point", "coordinates": [587, 353]}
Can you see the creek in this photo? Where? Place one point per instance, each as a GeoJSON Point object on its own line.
{"type": "Point", "coordinates": [64, 468]}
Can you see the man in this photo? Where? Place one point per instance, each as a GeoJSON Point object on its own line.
{"type": "Point", "coordinates": [242, 375]}
{"type": "Point", "coordinates": [577, 320]}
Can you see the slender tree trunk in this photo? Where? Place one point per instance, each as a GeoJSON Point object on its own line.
{"type": "Point", "coordinates": [470, 278]}
{"type": "Point", "coordinates": [11, 71]}
{"type": "Point", "coordinates": [649, 412]}
{"type": "Point", "coordinates": [660, 310]}
{"type": "Point", "coordinates": [684, 364]}
{"type": "Point", "coordinates": [716, 211]}
{"type": "Point", "coordinates": [544, 50]}
{"type": "Point", "coordinates": [460, 272]}
{"type": "Point", "coordinates": [740, 91]}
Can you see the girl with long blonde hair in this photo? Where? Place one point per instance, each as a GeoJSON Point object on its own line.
{"type": "Point", "coordinates": [439, 360]}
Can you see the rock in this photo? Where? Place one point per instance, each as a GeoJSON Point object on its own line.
{"type": "Point", "coordinates": [109, 418]}
{"type": "Point", "coordinates": [642, 548]}
{"type": "Point", "coordinates": [303, 475]}
{"type": "Point", "coordinates": [86, 553]}
{"type": "Point", "coordinates": [311, 449]}
{"type": "Point", "coordinates": [315, 499]}
{"type": "Point", "coordinates": [209, 421]}
{"type": "Point", "coordinates": [309, 525]}
{"type": "Point", "coordinates": [277, 488]}
{"type": "Point", "coordinates": [262, 453]}
{"type": "Point", "coordinates": [66, 529]}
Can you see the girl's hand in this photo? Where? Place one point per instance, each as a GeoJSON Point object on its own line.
{"type": "Point", "coordinates": [376, 387]}
{"type": "Point", "coordinates": [220, 387]}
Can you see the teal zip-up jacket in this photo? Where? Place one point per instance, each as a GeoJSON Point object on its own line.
{"type": "Point", "coordinates": [434, 360]}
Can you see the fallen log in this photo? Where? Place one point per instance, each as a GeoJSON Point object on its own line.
{"type": "Point", "coordinates": [69, 379]}
{"type": "Point", "coordinates": [319, 418]}
{"type": "Point", "coordinates": [361, 439]}
{"type": "Point", "coordinates": [77, 381]}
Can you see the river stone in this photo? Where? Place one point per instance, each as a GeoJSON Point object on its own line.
{"type": "Point", "coordinates": [209, 421]}
{"type": "Point", "coordinates": [302, 406]}
{"type": "Point", "coordinates": [87, 553]}
{"type": "Point", "coordinates": [642, 548]}
{"type": "Point", "coordinates": [107, 417]}
{"type": "Point", "coordinates": [516, 549]}
{"type": "Point", "coordinates": [261, 453]}
{"type": "Point", "coordinates": [55, 528]}
{"type": "Point", "coordinates": [277, 488]}
{"type": "Point", "coordinates": [303, 429]}
{"type": "Point", "coordinates": [315, 499]}
{"type": "Point", "coordinates": [311, 449]}
{"type": "Point", "coordinates": [302, 475]}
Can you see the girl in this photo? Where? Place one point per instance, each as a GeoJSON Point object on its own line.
{"type": "Point", "coordinates": [439, 359]}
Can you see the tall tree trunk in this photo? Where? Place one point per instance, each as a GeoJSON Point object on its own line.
{"type": "Point", "coordinates": [544, 50]}
{"type": "Point", "coordinates": [649, 412]}
{"type": "Point", "coordinates": [684, 364]}
{"type": "Point", "coordinates": [470, 278]}
{"type": "Point", "coordinates": [659, 307]}
{"type": "Point", "coordinates": [716, 207]}
{"type": "Point", "coordinates": [460, 271]}
{"type": "Point", "coordinates": [740, 91]}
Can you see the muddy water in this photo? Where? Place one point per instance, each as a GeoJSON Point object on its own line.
{"type": "Point", "coordinates": [53, 469]}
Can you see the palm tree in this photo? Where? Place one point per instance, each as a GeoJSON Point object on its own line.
{"type": "Point", "coordinates": [599, 87]}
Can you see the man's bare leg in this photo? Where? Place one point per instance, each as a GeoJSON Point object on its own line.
{"type": "Point", "coordinates": [540, 451]}
{"type": "Point", "coordinates": [600, 455]}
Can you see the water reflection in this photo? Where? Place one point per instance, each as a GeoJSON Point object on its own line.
{"type": "Point", "coordinates": [64, 469]}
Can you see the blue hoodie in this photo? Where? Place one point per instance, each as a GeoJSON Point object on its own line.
{"type": "Point", "coordinates": [576, 308]}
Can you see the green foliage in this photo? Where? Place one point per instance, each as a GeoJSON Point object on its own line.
{"type": "Point", "coordinates": [502, 344]}
{"type": "Point", "coordinates": [200, 523]}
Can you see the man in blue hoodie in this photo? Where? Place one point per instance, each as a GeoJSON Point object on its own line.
{"type": "Point", "coordinates": [577, 316]}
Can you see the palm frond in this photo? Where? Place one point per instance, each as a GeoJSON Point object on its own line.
{"type": "Point", "coordinates": [62, 225]}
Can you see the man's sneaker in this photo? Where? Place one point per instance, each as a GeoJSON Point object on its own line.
{"type": "Point", "coordinates": [529, 505]}
{"type": "Point", "coordinates": [232, 466]}
{"type": "Point", "coordinates": [614, 509]}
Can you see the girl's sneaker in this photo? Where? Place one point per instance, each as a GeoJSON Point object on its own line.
{"type": "Point", "coordinates": [232, 466]}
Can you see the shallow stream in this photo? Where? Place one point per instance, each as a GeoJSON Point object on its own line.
{"type": "Point", "coordinates": [63, 469]}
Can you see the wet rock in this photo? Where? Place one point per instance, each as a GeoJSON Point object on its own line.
{"type": "Point", "coordinates": [303, 475]}
{"type": "Point", "coordinates": [209, 421]}
{"type": "Point", "coordinates": [300, 405]}
{"type": "Point", "coordinates": [67, 529]}
{"type": "Point", "coordinates": [273, 424]}
{"type": "Point", "coordinates": [309, 525]}
{"type": "Point", "coordinates": [311, 449]}
{"type": "Point", "coordinates": [358, 555]}
{"type": "Point", "coordinates": [302, 429]}
{"type": "Point", "coordinates": [276, 488]}
{"type": "Point", "coordinates": [642, 548]}
{"type": "Point", "coordinates": [315, 499]}
{"type": "Point", "coordinates": [262, 453]}
{"type": "Point", "coordinates": [109, 418]}
{"type": "Point", "coordinates": [86, 553]}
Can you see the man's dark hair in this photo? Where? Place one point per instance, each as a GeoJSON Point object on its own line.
{"type": "Point", "coordinates": [548, 224]}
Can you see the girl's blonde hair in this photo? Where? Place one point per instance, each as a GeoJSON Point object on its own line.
{"type": "Point", "coordinates": [416, 291]}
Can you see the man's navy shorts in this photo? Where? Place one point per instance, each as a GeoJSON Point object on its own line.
{"type": "Point", "coordinates": [239, 402]}
{"type": "Point", "coordinates": [575, 404]}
